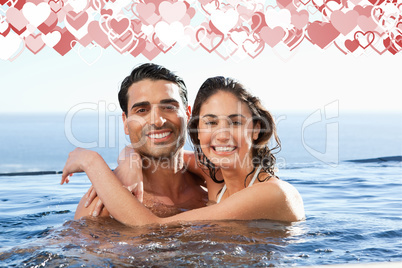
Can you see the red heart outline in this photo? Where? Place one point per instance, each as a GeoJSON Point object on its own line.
{"type": "Point", "coordinates": [209, 32]}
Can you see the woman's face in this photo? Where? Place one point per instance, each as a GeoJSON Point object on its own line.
{"type": "Point", "coordinates": [225, 131]}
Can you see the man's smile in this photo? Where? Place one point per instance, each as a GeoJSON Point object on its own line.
{"type": "Point", "coordinates": [160, 135]}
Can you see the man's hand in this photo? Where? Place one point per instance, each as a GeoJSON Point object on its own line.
{"type": "Point", "coordinates": [129, 172]}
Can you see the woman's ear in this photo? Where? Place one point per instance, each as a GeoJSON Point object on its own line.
{"type": "Point", "coordinates": [256, 130]}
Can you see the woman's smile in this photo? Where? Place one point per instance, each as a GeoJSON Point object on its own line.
{"type": "Point", "coordinates": [224, 149]}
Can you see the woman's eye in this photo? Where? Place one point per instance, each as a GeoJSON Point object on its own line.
{"type": "Point", "coordinates": [236, 123]}
{"type": "Point", "coordinates": [210, 123]}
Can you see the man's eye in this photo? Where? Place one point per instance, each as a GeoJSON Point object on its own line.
{"type": "Point", "coordinates": [141, 110]}
{"type": "Point", "coordinates": [169, 107]}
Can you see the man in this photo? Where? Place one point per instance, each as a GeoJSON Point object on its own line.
{"type": "Point", "coordinates": [155, 116]}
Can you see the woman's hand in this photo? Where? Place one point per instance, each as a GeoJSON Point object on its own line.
{"type": "Point", "coordinates": [76, 162]}
{"type": "Point", "coordinates": [129, 172]}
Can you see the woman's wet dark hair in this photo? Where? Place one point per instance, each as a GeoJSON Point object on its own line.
{"type": "Point", "coordinates": [261, 153]}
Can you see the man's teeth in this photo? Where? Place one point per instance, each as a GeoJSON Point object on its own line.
{"type": "Point", "coordinates": [159, 136]}
{"type": "Point", "coordinates": [224, 149]}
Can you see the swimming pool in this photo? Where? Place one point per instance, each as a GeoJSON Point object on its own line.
{"type": "Point", "coordinates": [354, 215]}
{"type": "Point", "coordinates": [353, 210]}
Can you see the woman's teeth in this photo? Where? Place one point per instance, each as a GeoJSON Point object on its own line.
{"type": "Point", "coordinates": [224, 149]}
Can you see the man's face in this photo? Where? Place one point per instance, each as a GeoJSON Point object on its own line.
{"type": "Point", "coordinates": [156, 120]}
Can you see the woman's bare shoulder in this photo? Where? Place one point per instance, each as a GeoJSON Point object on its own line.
{"type": "Point", "coordinates": [281, 199]}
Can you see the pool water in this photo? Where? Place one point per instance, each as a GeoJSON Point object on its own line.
{"type": "Point", "coordinates": [353, 215]}
{"type": "Point", "coordinates": [353, 208]}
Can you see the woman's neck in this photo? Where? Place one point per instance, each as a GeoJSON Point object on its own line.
{"type": "Point", "coordinates": [234, 178]}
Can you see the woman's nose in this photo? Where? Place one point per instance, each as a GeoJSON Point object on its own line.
{"type": "Point", "coordinates": [222, 133]}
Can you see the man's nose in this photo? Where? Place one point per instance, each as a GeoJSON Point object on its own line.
{"type": "Point", "coordinates": [157, 118]}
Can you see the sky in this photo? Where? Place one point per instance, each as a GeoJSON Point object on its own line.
{"type": "Point", "coordinates": [306, 80]}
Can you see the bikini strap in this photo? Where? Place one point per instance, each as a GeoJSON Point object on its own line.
{"type": "Point", "coordinates": [221, 194]}
{"type": "Point", "coordinates": [255, 176]}
{"type": "Point", "coordinates": [251, 183]}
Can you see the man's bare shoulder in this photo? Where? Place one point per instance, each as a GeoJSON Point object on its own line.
{"type": "Point", "coordinates": [196, 178]}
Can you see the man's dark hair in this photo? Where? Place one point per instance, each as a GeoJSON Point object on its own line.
{"type": "Point", "coordinates": [153, 72]}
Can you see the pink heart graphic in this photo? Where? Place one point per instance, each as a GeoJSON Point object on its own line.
{"type": "Point", "coordinates": [210, 40]}
{"type": "Point", "coordinates": [77, 20]}
{"type": "Point", "coordinates": [97, 34]}
{"type": "Point", "coordinates": [305, 2]}
{"type": "Point", "coordinates": [146, 12]}
{"type": "Point", "coordinates": [300, 19]}
{"type": "Point", "coordinates": [160, 44]}
{"type": "Point", "coordinates": [394, 46]}
{"type": "Point", "coordinates": [325, 5]}
{"type": "Point", "coordinates": [16, 19]}
{"type": "Point", "coordinates": [120, 26]}
{"type": "Point", "coordinates": [124, 43]}
{"type": "Point", "coordinates": [258, 21]}
{"type": "Point", "coordinates": [294, 38]}
{"type": "Point", "coordinates": [245, 12]}
{"type": "Point", "coordinates": [378, 46]}
{"type": "Point", "coordinates": [390, 46]}
{"type": "Point", "coordinates": [49, 24]}
{"type": "Point", "coordinates": [191, 32]}
{"type": "Point", "coordinates": [365, 39]}
{"type": "Point", "coordinates": [56, 5]}
{"type": "Point", "coordinates": [34, 43]}
{"type": "Point", "coordinates": [107, 12]}
{"type": "Point", "coordinates": [150, 51]}
{"type": "Point", "coordinates": [172, 12]}
{"type": "Point", "coordinates": [283, 3]}
{"type": "Point", "coordinates": [87, 40]}
{"type": "Point", "coordinates": [352, 45]}
{"type": "Point", "coordinates": [363, 11]}
{"type": "Point", "coordinates": [226, 52]}
{"type": "Point", "coordinates": [253, 48]}
{"type": "Point", "coordinates": [139, 48]}
{"type": "Point", "coordinates": [137, 24]}
{"type": "Point", "coordinates": [63, 46]}
{"type": "Point", "coordinates": [322, 34]}
{"type": "Point", "coordinates": [344, 22]}
{"type": "Point", "coordinates": [272, 36]}
{"type": "Point", "coordinates": [366, 23]}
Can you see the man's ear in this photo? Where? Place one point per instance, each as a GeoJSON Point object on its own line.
{"type": "Point", "coordinates": [188, 113]}
{"type": "Point", "coordinates": [256, 130]}
{"type": "Point", "coordinates": [125, 122]}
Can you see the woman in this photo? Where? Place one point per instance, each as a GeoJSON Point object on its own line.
{"type": "Point", "coordinates": [230, 130]}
